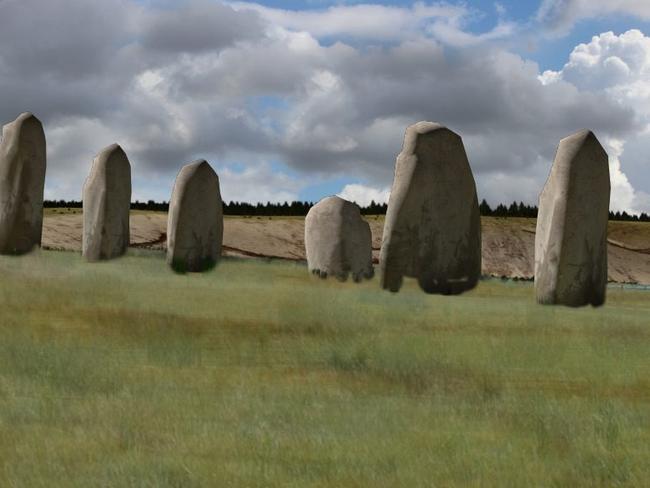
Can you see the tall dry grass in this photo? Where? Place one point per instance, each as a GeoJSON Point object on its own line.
{"type": "Point", "coordinates": [258, 374]}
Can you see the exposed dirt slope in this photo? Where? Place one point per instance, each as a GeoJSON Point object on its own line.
{"type": "Point", "coordinates": [508, 244]}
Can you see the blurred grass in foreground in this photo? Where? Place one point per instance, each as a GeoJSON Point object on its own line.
{"type": "Point", "coordinates": [258, 374]}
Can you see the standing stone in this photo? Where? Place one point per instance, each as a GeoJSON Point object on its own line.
{"type": "Point", "coordinates": [571, 236]}
{"type": "Point", "coordinates": [432, 230]}
{"type": "Point", "coordinates": [106, 205]}
{"type": "Point", "coordinates": [337, 240]}
{"type": "Point", "coordinates": [195, 221]}
{"type": "Point", "coordinates": [22, 180]}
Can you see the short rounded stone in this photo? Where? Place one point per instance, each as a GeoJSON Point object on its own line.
{"type": "Point", "coordinates": [338, 241]}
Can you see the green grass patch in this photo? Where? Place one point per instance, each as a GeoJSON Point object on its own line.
{"type": "Point", "coordinates": [259, 374]}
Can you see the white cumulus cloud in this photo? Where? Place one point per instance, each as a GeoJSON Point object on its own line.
{"type": "Point", "coordinates": [618, 68]}
{"type": "Point", "coordinates": [362, 195]}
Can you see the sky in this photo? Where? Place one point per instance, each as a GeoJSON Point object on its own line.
{"type": "Point", "coordinates": [297, 100]}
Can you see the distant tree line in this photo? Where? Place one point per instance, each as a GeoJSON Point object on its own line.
{"type": "Point", "coordinates": [522, 210]}
{"type": "Point", "coordinates": [299, 209]}
{"type": "Point", "coordinates": [61, 204]}
{"type": "Point", "coordinates": [644, 217]}
{"type": "Point", "coordinates": [514, 210]}
{"type": "Point", "coordinates": [296, 209]}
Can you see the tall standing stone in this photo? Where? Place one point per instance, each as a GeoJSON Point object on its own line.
{"type": "Point", "coordinates": [338, 241]}
{"type": "Point", "coordinates": [432, 230]}
{"type": "Point", "coordinates": [22, 180]}
{"type": "Point", "coordinates": [195, 221]}
{"type": "Point", "coordinates": [106, 206]}
{"type": "Point", "coordinates": [571, 236]}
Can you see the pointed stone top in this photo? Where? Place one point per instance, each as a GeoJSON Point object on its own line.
{"type": "Point", "coordinates": [198, 163]}
{"type": "Point", "coordinates": [114, 151]}
{"type": "Point", "coordinates": [109, 151]}
{"type": "Point", "coordinates": [575, 142]}
{"type": "Point", "coordinates": [113, 147]}
{"type": "Point", "coordinates": [200, 166]}
{"type": "Point", "coordinates": [578, 137]}
{"type": "Point", "coordinates": [422, 128]}
{"type": "Point", "coordinates": [26, 117]}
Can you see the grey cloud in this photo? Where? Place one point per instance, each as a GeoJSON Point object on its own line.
{"type": "Point", "coordinates": [164, 148]}
{"type": "Point", "coordinates": [557, 17]}
{"type": "Point", "coordinates": [61, 40]}
{"type": "Point", "coordinates": [481, 91]}
{"type": "Point", "coordinates": [169, 88]}
{"type": "Point", "coordinates": [265, 69]}
{"type": "Point", "coordinates": [74, 57]}
{"type": "Point", "coordinates": [509, 120]}
{"type": "Point", "coordinates": [198, 26]}
{"type": "Point", "coordinates": [64, 58]}
{"type": "Point", "coordinates": [163, 130]}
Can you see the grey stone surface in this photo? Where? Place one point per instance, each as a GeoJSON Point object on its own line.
{"type": "Point", "coordinates": [432, 230]}
{"type": "Point", "coordinates": [22, 179]}
{"type": "Point", "coordinates": [338, 241]}
{"type": "Point", "coordinates": [571, 236]}
{"type": "Point", "coordinates": [106, 206]}
{"type": "Point", "coordinates": [195, 221]}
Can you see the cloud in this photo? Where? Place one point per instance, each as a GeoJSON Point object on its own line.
{"type": "Point", "coordinates": [622, 195]}
{"type": "Point", "coordinates": [608, 61]}
{"type": "Point", "coordinates": [362, 195]}
{"type": "Point", "coordinates": [452, 31]}
{"type": "Point", "coordinates": [321, 94]}
{"type": "Point", "coordinates": [258, 183]}
{"type": "Point", "coordinates": [62, 40]}
{"type": "Point", "coordinates": [617, 68]}
{"type": "Point", "coordinates": [365, 21]}
{"type": "Point", "coordinates": [199, 26]}
{"type": "Point", "coordinates": [74, 142]}
{"type": "Point", "coordinates": [559, 16]}
{"type": "Point", "coordinates": [510, 122]}
{"type": "Point", "coordinates": [443, 21]}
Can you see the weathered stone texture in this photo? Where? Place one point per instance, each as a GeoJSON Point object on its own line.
{"type": "Point", "coordinates": [195, 221]}
{"type": "Point", "coordinates": [106, 206]}
{"type": "Point", "coordinates": [432, 230]}
{"type": "Point", "coordinates": [22, 180]}
{"type": "Point", "coordinates": [571, 236]}
{"type": "Point", "coordinates": [338, 241]}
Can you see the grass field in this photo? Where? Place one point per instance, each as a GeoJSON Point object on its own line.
{"type": "Point", "coordinates": [259, 375]}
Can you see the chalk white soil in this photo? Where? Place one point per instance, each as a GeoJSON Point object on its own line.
{"type": "Point", "coordinates": [507, 243]}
